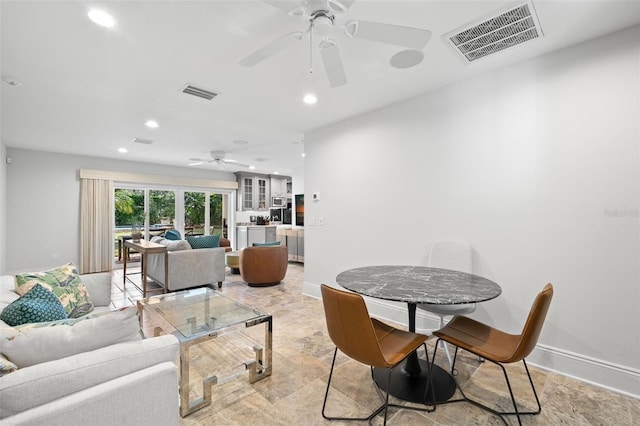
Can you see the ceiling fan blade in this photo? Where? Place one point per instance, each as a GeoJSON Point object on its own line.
{"type": "Point", "coordinates": [340, 6]}
{"type": "Point", "coordinates": [414, 38]}
{"type": "Point", "coordinates": [271, 49]}
{"type": "Point", "coordinates": [284, 5]}
{"type": "Point", "coordinates": [332, 63]}
{"type": "Point", "coordinates": [234, 162]}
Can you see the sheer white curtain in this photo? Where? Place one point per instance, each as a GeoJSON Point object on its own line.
{"type": "Point", "coordinates": [96, 208]}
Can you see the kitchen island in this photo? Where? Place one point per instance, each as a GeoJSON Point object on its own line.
{"type": "Point", "coordinates": [249, 234]}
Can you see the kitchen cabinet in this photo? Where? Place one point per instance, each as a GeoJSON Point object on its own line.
{"type": "Point", "coordinates": [253, 191]}
{"type": "Point", "coordinates": [248, 235]}
{"type": "Point", "coordinates": [294, 240]}
{"type": "Point", "coordinates": [280, 186]}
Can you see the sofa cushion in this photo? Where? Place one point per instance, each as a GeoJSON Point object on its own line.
{"type": "Point", "coordinates": [45, 383]}
{"type": "Point", "coordinates": [273, 243]}
{"type": "Point", "coordinates": [64, 282]}
{"type": "Point", "coordinates": [172, 245]}
{"type": "Point", "coordinates": [41, 342]}
{"type": "Point", "coordinates": [204, 241]}
{"type": "Point", "coordinates": [36, 305]}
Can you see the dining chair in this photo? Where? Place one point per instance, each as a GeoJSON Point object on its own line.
{"type": "Point", "coordinates": [368, 341]}
{"type": "Point", "coordinates": [499, 347]}
{"type": "Point", "coordinates": [457, 256]}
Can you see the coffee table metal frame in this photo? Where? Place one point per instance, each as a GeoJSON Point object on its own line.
{"type": "Point", "coordinates": [190, 317]}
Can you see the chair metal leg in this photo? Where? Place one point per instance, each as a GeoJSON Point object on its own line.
{"type": "Point", "coordinates": [326, 394]}
{"type": "Point", "coordinates": [385, 398]}
{"type": "Point", "coordinates": [513, 399]}
{"type": "Point", "coordinates": [446, 349]}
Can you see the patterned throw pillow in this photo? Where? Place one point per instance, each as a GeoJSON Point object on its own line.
{"type": "Point", "coordinates": [208, 241]}
{"type": "Point", "coordinates": [6, 366]}
{"type": "Point", "coordinates": [36, 305]}
{"type": "Point", "coordinates": [64, 282]}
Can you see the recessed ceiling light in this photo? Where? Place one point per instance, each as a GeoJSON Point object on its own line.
{"type": "Point", "coordinates": [101, 18]}
{"type": "Point", "coordinates": [303, 155]}
{"type": "Point", "coordinates": [252, 167]}
{"type": "Point", "coordinates": [276, 173]}
{"type": "Point", "coordinates": [310, 99]}
{"type": "Point", "coordinates": [122, 150]}
{"type": "Point", "coordinates": [151, 123]}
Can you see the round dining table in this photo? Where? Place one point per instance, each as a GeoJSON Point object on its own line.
{"type": "Point", "coordinates": [417, 285]}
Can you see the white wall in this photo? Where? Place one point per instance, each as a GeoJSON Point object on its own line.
{"type": "Point", "coordinates": [43, 204]}
{"type": "Point", "coordinates": [536, 165]}
{"type": "Point", "coordinates": [3, 205]}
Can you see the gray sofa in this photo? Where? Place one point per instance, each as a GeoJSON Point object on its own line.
{"type": "Point", "coordinates": [134, 382]}
{"type": "Point", "coordinates": [187, 267]}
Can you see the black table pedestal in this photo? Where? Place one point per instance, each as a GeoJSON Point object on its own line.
{"type": "Point", "coordinates": [411, 386]}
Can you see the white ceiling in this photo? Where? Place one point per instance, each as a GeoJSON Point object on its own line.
{"type": "Point", "coordinates": [88, 90]}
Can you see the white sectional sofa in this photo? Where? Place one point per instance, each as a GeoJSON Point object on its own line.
{"type": "Point", "coordinates": [129, 383]}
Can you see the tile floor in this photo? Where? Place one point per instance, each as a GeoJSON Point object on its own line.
{"type": "Point", "coordinates": [302, 358]}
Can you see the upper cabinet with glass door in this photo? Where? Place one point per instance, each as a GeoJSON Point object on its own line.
{"type": "Point", "coordinates": [253, 191]}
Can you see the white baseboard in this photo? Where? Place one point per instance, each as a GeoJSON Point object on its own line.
{"type": "Point", "coordinates": [598, 372]}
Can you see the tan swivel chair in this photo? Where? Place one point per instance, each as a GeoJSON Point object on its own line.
{"type": "Point", "coordinates": [497, 346]}
{"type": "Point", "coordinates": [263, 266]}
{"type": "Point", "coordinates": [365, 340]}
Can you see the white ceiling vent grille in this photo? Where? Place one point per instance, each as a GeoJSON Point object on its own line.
{"type": "Point", "coordinates": [201, 93]}
{"type": "Point", "coordinates": [515, 26]}
{"type": "Point", "coordinates": [142, 141]}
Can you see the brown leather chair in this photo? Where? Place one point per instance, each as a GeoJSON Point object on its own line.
{"type": "Point", "coordinates": [497, 346]}
{"type": "Point", "coordinates": [365, 340]}
{"type": "Point", "coordinates": [226, 244]}
{"type": "Point", "coordinates": [263, 266]}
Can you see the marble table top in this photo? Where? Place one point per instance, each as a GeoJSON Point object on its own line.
{"type": "Point", "coordinates": [418, 284]}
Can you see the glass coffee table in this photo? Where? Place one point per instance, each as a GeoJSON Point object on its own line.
{"type": "Point", "coordinates": [200, 315]}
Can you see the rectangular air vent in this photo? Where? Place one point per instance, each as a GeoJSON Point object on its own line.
{"type": "Point", "coordinates": [201, 93]}
{"type": "Point", "coordinates": [508, 29]}
{"type": "Point", "coordinates": [142, 141]}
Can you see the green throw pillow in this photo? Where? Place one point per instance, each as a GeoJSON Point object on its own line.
{"type": "Point", "coordinates": [274, 243]}
{"type": "Point", "coordinates": [36, 305]}
{"type": "Point", "coordinates": [65, 283]}
{"type": "Point", "coordinates": [204, 241]}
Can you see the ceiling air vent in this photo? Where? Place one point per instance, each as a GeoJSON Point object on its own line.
{"type": "Point", "coordinates": [480, 39]}
{"type": "Point", "coordinates": [201, 93]}
{"type": "Point", "coordinates": [142, 141]}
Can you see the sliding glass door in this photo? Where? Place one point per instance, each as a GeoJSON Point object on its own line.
{"type": "Point", "coordinates": [156, 210]}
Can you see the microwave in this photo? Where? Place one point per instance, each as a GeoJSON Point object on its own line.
{"type": "Point", "coordinates": [278, 202]}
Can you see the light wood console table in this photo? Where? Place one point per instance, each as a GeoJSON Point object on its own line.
{"type": "Point", "coordinates": [145, 247]}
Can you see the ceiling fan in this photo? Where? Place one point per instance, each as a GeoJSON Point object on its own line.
{"type": "Point", "coordinates": [321, 15]}
{"type": "Point", "coordinates": [218, 158]}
